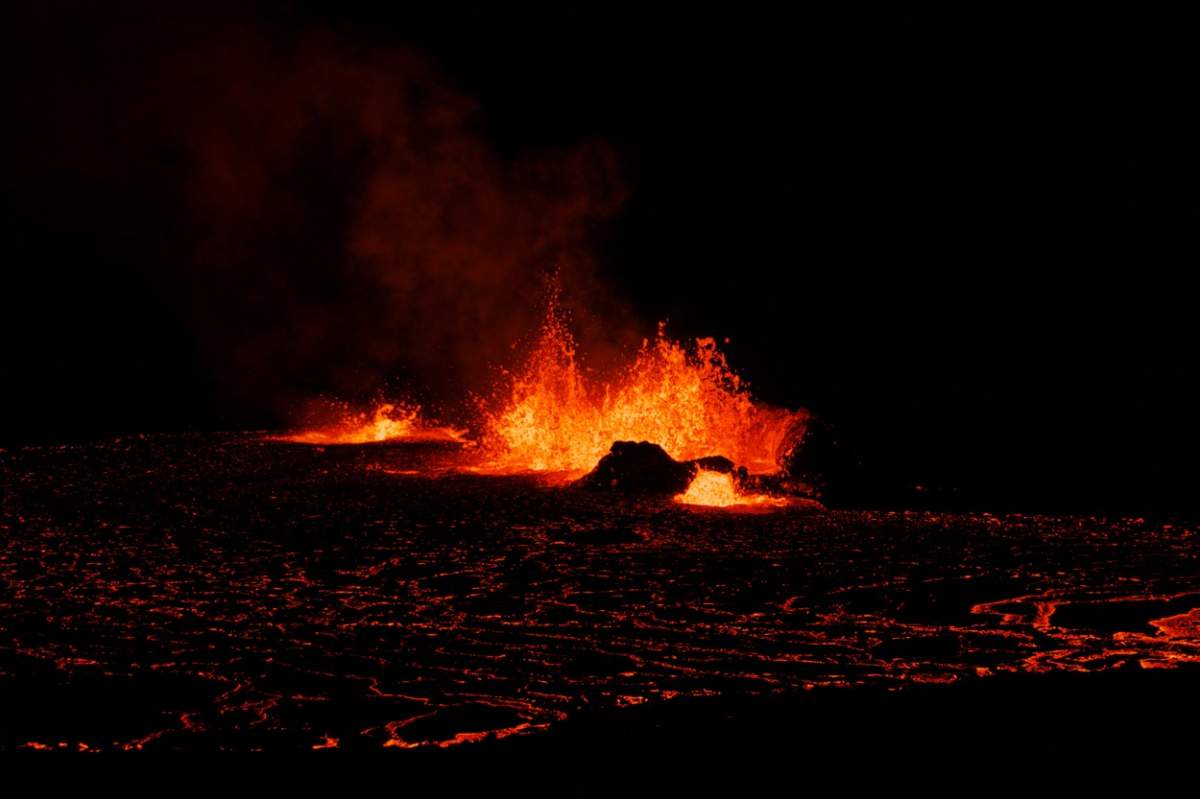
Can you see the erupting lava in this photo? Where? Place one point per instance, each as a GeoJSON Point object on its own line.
{"type": "Point", "coordinates": [387, 422]}
{"type": "Point", "coordinates": [685, 399]}
{"type": "Point", "coordinates": [553, 417]}
{"type": "Point", "coordinates": [717, 489]}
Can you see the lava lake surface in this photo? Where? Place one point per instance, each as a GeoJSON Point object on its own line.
{"type": "Point", "coordinates": [229, 592]}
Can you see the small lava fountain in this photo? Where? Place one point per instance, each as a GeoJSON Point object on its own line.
{"type": "Point", "coordinates": [386, 422]}
{"type": "Point", "coordinates": [717, 489]}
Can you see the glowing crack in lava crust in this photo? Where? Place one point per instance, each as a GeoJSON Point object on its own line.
{"type": "Point", "coordinates": [717, 489]}
{"type": "Point", "coordinates": [685, 399]}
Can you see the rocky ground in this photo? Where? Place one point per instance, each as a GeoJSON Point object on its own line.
{"type": "Point", "coordinates": [230, 592]}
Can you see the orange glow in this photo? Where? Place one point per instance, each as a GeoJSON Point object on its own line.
{"type": "Point", "coordinates": [1183, 627]}
{"type": "Point", "coordinates": [686, 399]}
{"type": "Point", "coordinates": [387, 422]}
{"type": "Point", "coordinates": [1176, 643]}
{"type": "Point", "coordinates": [717, 489]}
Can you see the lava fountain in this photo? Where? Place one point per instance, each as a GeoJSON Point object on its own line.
{"type": "Point", "coordinates": [686, 399]}
{"type": "Point", "coordinates": [718, 489]}
{"type": "Point", "coordinates": [386, 422]}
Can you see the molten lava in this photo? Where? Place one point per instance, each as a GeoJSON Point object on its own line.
{"type": "Point", "coordinates": [717, 489]}
{"type": "Point", "coordinates": [386, 422]}
{"type": "Point", "coordinates": [685, 399]}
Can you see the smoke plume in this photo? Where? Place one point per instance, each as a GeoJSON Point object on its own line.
{"type": "Point", "coordinates": [323, 212]}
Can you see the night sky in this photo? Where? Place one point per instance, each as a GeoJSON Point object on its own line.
{"type": "Point", "coordinates": [966, 243]}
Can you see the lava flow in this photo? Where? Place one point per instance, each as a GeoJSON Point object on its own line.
{"type": "Point", "coordinates": [717, 489]}
{"type": "Point", "coordinates": [685, 399]}
{"type": "Point", "coordinates": [387, 422]}
{"type": "Point", "coordinates": [254, 599]}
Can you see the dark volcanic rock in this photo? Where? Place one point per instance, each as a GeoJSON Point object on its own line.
{"type": "Point", "coordinates": [714, 463]}
{"type": "Point", "coordinates": [816, 460]}
{"type": "Point", "coordinates": [607, 535]}
{"type": "Point", "coordinates": [639, 467]}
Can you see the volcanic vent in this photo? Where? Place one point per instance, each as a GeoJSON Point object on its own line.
{"type": "Point", "coordinates": [674, 414]}
{"type": "Point", "coordinates": [681, 399]}
{"type": "Point", "coordinates": [686, 399]}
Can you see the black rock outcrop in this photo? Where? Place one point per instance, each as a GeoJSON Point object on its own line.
{"type": "Point", "coordinates": [639, 467]}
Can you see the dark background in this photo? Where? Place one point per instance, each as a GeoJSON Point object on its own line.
{"type": "Point", "coordinates": [965, 241]}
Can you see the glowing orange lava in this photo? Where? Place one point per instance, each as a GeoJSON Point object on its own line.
{"type": "Point", "coordinates": [387, 422]}
{"type": "Point", "coordinates": [717, 489]}
{"type": "Point", "coordinates": [685, 399]}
